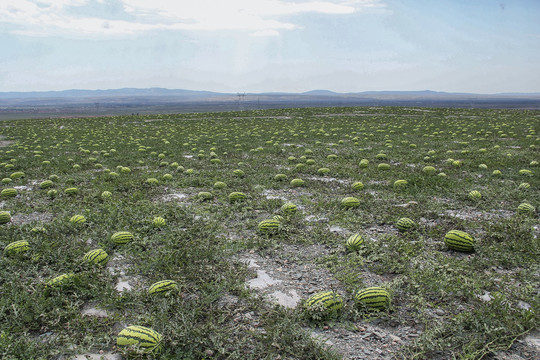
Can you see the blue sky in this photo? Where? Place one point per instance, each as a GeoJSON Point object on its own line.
{"type": "Point", "coordinates": [482, 46]}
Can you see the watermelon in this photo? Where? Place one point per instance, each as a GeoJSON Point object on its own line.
{"type": "Point", "coordinates": [475, 195]}
{"type": "Point", "coordinates": [143, 337]}
{"type": "Point", "coordinates": [358, 186]}
{"type": "Point", "coordinates": [376, 298]}
{"type": "Point", "coordinates": [350, 202]}
{"type": "Point", "coordinates": [405, 224]}
{"type": "Point", "coordinates": [323, 171]}
{"type": "Point", "coordinates": [524, 186]}
{"type": "Point", "coordinates": [5, 217]}
{"type": "Point", "coordinates": [60, 281]}
{"type": "Point", "coordinates": [459, 240]}
{"type": "Point", "coordinates": [383, 166]}
{"type": "Point", "coordinates": [238, 173]}
{"type": "Point", "coordinates": [297, 182]}
{"type": "Point", "coordinates": [288, 209]}
{"type": "Point", "coordinates": [16, 247]}
{"type": "Point", "coordinates": [106, 195]}
{"type": "Point", "coordinates": [400, 184]}
{"type": "Point", "coordinates": [205, 195]}
{"type": "Point", "coordinates": [330, 301]}
{"type": "Point", "coordinates": [162, 287]}
{"type": "Point", "coordinates": [17, 175]}
{"type": "Point", "coordinates": [354, 242]}
{"type": "Point", "coordinates": [218, 185]}
{"type": "Point", "coordinates": [46, 184]}
{"type": "Point", "coordinates": [96, 257]}
{"type": "Point", "coordinates": [71, 191]}
{"type": "Point", "coordinates": [269, 226]}
{"type": "Point", "coordinates": [9, 192]}
{"type": "Point", "coordinates": [429, 170]}
{"type": "Point", "coordinates": [280, 177]}
{"type": "Point", "coordinates": [236, 196]}
{"type": "Point", "coordinates": [526, 209]}
{"type": "Point", "coordinates": [77, 219]}
{"type": "Point", "coordinates": [121, 237]}
{"type": "Point", "coordinates": [158, 222]}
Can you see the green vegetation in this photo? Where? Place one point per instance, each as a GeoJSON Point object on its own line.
{"type": "Point", "coordinates": [188, 198]}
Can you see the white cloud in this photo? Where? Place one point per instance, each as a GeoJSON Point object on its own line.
{"type": "Point", "coordinates": [265, 33]}
{"type": "Point", "coordinates": [258, 17]}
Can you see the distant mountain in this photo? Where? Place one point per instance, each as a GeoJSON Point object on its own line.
{"type": "Point", "coordinates": [320, 93]}
{"type": "Point", "coordinates": [193, 94]}
{"type": "Point", "coordinates": [77, 93]}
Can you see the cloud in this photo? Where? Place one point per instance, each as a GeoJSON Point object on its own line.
{"type": "Point", "coordinates": [258, 17]}
{"type": "Point", "coordinates": [265, 33]}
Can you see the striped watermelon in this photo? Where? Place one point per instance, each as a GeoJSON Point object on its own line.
{"type": "Point", "coordinates": [278, 218]}
{"type": "Point", "coordinates": [400, 184]}
{"type": "Point", "coordinates": [350, 202]}
{"type": "Point", "coordinates": [97, 257]}
{"type": "Point", "coordinates": [354, 242]}
{"type": "Point", "coordinates": [5, 217]}
{"type": "Point", "coordinates": [288, 209]}
{"type": "Point", "coordinates": [475, 195]}
{"type": "Point", "coordinates": [280, 177]}
{"type": "Point", "coordinates": [17, 247]}
{"type": "Point", "coordinates": [376, 298]}
{"type": "Point", "coordinates": [364, 163]}
{"type": "Point", "coordinates": [238, 172]}
{"type": "Point", "coordinates": [162, 287]}
{"type": "Point", "coordinates": [297, 182]}
{"type": "Point", "coordinates": [236, 196]}
{"type": "Point", "coordinates": [405, 224]}
{"type": "Point", "coordinates": [17, 175]}
{"type": "Point", "coordinates": [143, 337]}
{"type": "Point", "coordinates": [358, 186]}
{"type": "Point", "coordinates": [526, 209]}
{"type": "Point", "coordinates": [52, 193]}
{"type": "Point", "coordinates": [383, 166]}
{"type": "Point", "coordinates": [323, 171]}
{"type": "Point", "coordinates": [218, 185]}
{"type": "Point", "coordinates": [46, 184]}
{"type": "Point", "coordinates": [329, 300]}
{"type": "Point", "coordinates": [269, 226]}
{"type": "Point", "coordinates": [459, 240]}
{"type": "Point", "coordinates": [6, 180]}
{"type": "Point", "coordinates": [106, 195]}
{"type": "Point", "coordinates": [121, 237]}
{"type": "Point", "coordinates": [60, 281]}
{"type": "Point", "coordinates": [9, 192]}
{"type": "Point", "coordinates": [524, 186]}
{"type": "Point", "coordinates": [77, 219]}
{"type": "Point", "coordinates": [205, 195]}
{"type": "Point", "coordinates": [158, 222]}
{"type": "Point", "coordinates": [430, 170]}
{"type": "Point", "coordinates": [71, 191]}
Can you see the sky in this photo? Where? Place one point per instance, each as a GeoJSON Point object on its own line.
{"type": "Point", "coordinates": [479, 46]}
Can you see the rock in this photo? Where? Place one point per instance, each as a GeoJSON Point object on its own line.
{"type": "Point", "coordinates": [486, 297]}
{"type": "Point", "coordinates": [287, 300]}
{"type": "Point", "coordinates": [90, 310]}
{"type": "Point", "coordinates": [263, 280]}
{"type": "Point", "coordinates": [523, 305]}
{"type": "Point", "coordinates": [533, 339]}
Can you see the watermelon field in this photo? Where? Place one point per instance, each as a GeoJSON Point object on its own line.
{"type": "Point", "coordinates": [315, 233]}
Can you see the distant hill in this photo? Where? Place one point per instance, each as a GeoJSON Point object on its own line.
{"type": "Point", "coordinates": [194, 94]}
{"type": "Point", "coordinates": [78, 102]}
{"type": "Point", "coordinates": [76, 93]}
